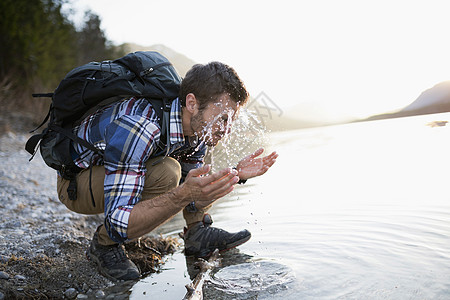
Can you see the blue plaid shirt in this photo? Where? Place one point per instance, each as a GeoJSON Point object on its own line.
{"type": "Point", "coordinates": [129, 132]}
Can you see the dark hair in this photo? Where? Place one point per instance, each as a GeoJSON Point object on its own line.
{"type": "Point", "coordinates": [208, 82]}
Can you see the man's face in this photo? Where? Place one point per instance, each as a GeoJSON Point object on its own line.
{"type": "Point", "coordinates": [214, 122]}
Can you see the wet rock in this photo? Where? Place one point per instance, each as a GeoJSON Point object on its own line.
{"type": "Point", "coordinates": [118, 297]}
{"type": "Point", "coordinates": [100, 294]}
{"type": "Point", "coordinates": [71, 293]}
{"type": "Point", "coordinates": [85, 287]}
{"type": "Point", "coordinates": [4, 275]}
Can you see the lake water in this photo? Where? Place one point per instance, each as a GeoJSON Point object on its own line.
{"type": "Point", "coordinates": [355, 211]}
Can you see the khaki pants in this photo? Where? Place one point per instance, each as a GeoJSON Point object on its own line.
{"type": "Point", "coordinates": [159, 179]}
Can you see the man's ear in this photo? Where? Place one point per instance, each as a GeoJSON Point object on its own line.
{"type": "Point", "coordinates": [191, 103]}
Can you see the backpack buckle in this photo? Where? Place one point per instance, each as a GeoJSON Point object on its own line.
{"type": "Point", "coordinates": [167, 106]}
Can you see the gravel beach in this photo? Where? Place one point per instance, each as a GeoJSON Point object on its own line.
{"type": "Point", "coordinates": [42, 243]}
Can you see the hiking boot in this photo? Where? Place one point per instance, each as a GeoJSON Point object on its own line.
{"type": "Point", "coordinates": [112, 261]}
{"type": "Point", "coordinates": [201, 239]}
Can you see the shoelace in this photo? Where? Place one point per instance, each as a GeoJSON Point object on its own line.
{"type": "Point", "coordinates": [114, 255]}
{"type": "Point", "coordinates": [218, 234]}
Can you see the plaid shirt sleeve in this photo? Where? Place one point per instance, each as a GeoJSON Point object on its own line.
{"type": "Point", "coordinates": [130, 141]}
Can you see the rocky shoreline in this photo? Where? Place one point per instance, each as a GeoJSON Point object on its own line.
{"type": "Point", "coordinates": [42, 243]}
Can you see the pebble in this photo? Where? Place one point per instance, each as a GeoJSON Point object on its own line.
{"type": "Point", "coordinates": [2, 296]}
{"type": "Point", "coordinates": [20, 277]}
{"type": "Point", "coordinates": [4, 275]}
{"type": "Point", "coordinates": [82, 296]}
{"type": "Point", "coordinates": [100, 294]}
{"type": "Point", "coordinates": [41, 255]}
{"type": "Point", "coordinates": [70, 293]}
{"type": "Point", "coordinates": [85, 287]}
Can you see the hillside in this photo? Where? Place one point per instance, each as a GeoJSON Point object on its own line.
{"type": "Point", "coordinates": [438, 96]}
{"type": "Point", "coordinates": [431, 101]}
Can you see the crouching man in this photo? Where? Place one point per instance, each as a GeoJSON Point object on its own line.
{"type": "Point", "coordinates": [137, 189]}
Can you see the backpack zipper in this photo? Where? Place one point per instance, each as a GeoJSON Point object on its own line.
{"type": "Point", "coordinates": [149, 70]}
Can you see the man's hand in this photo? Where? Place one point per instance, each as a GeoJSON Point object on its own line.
{"type": "Point", "coordinates": [205, 189]}
{"type": "Point", "coordinates": [251, 166]}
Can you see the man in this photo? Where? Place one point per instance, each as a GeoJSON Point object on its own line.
{"type": "Point", "coordinates": [138, 189]}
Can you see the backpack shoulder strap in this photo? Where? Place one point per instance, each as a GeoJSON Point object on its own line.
{"type": "Point", "coordinates": [162, 110]}
{"type": "Point", "coordinates": [42, 95]}
{"type": "Point", "coordinates": [75, 138]}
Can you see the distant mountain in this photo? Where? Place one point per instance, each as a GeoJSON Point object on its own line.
{"type": "Point", "coordinates": [181, 62]}
{"type": "Point", "coordinates": [432, 101]}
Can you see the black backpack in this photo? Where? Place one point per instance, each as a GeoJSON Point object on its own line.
{"type": "Point", "coordinates": [87, 88]}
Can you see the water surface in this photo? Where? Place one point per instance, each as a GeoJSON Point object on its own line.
{"type": "Point", "coordinates": [355, 211]}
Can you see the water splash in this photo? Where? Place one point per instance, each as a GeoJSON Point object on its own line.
{"type": "Point", "coordinates": [219, 127]}
{"type": "Point", "coordinates": [247, 280]}
{"type": "Point", "coordinates": [246, 135]}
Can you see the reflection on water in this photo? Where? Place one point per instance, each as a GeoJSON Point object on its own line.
{"type": "Point", "coordinates": [357, 211]}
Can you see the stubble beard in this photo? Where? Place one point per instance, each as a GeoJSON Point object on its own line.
{"type": "Point", "coordinates": [200, 128]}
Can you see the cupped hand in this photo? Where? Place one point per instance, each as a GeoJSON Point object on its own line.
{"type": "Point", "coordinates": [252, 166]}
{"type": "Point", "coordinates": [204, 189]}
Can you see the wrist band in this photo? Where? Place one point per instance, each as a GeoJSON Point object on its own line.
{"type": "Point", "coordinates": [191, 207]}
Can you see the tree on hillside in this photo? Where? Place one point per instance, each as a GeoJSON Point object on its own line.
{"type": "Point", "coordinates": [39, 45]}
{"type": "Point", "coordinates": [92, 43]}
{"type": "Point", "coordinates": [37, 41]}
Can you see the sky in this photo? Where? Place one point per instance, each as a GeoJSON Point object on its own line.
{"type": "Point", "coordinates": [348, 57]}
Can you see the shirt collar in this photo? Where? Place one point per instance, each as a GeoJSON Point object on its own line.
{"type": "Point", "coordinates": [176, 128]}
